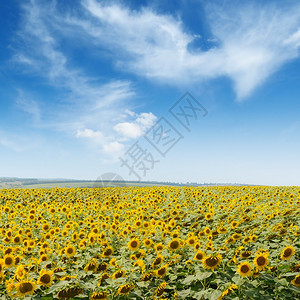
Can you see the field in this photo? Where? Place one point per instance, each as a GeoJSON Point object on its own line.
{"type": "Point", "coordinates": [150, 243]}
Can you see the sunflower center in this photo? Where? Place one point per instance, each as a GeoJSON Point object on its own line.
{"type": "Point", "coordinates": [125, 289]}
{"type": "Point", "coordinates": [107, 252]}
{"type": "Point", "coordinates": [245, 269]}
{"type": "Point", "coordinates": [91, 267]}
{"type": "Point", "coordinates": [199, 256]}
{"type": "Point", "coordinates": [8, 261]}
{"type": "Point", "coordinates": [70, 250]}
{"type": "Point", "coordinates": [46, 278]}
{"type": "Point", "coordinates": [26, 287]}
{"type": "Point", "coordinates": [134, 244]}
{"type": "Point", "coordinates": [119, 274]}
{"type": "Point", "coordinates": [212, 261]}
{"type": "Point", "coordinates": [261, 260]}
{"type": "Point", "coordinates": [157, 261]}
{"type": "Point", "coordinates": [161, 271]}
{"type": "Point", "coordinates": [102, 267]}
{"type": "Point", "coordinates": [297, 280]}
{"type": "Point", "coordinates": [287, 252]}
{"type": "Point", "coordinates": [174, 244]}
{"type": "Point", "coordinates": [246, 254]}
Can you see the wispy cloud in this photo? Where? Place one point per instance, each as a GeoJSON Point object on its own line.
{"type": "Point", "coordinates": [87, 102]}
{"type": "Point", "coordinates": [30, 106]}
{"type": "Point", "coordinates": [252, 42]}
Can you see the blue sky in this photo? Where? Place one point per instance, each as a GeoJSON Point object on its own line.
{"type": "Point", "coordinates": [83, 81]}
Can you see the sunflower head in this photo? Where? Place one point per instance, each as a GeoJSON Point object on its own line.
{"type": "Point", "coordinates": [9, 260]}
{"type": "Point", "coordinates": [296, 281]}
{"type": "Point", "coordinates": [69, 251]}
{"type": "Point", "coordinates": [161, 272]}
{"type": "Point", "coordinates": [125, 289]}
{"type": "Point", "coordinates": [133, 244]}
{"type": "Point", "coordinates": [174, 244]}
{"type": "Point", "coordinates": [45, 278]}
{"type": "Point", "coordinates": [69, 292]}
{"type": "Point", "coordinates": [212, 261]}
{"type": "Point", "coordinates": [199, 255]}
{"type": "Point", "coordinates": [261, 261]}
{"type": "Point", "coordinates": [107, 252]}
{"type": "Point", "coordinates": [244, 269]}
{"type": "Point", "coordinates": [99, 296]}
{"type": "Point", "coordinates": [287, 252]}
{"type": "Point", "coordinates": [25, 288]}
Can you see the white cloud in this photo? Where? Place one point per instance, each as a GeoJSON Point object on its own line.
{"type": "Point", "coordinates": [113, 148]}
{"type": "Point", "coordinates": [87, 102]}
{"type": "Point", "coordinates": [136, 128]}
{"type": "Point", "coordinates": [253, 41]}
{"type": "Point", "coordinates": [128, 130]}
{"type": "Point", "coordinates": [89, 133]}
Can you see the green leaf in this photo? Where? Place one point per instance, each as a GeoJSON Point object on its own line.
{"type": "Point", "coordinates": [214, 295]}
{"type": "Point", "coordinates": [57, 286]}
{"type": "Point", "coordinates": [203, 275]}
{"type": "Point", "coordinates": [188, 280]}
{"type": "Point", "coordinates": [183, 294]}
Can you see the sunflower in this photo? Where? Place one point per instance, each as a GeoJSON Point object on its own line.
{"type": "Point", "coordinates": [148, 243]}
{"type": "Point", "coordinates": [9, 260]}
{"type": "Point", "coordinates": [160, 289]}
{"type": "Point", "coordinates": [191, 241]}
{"type": "Point", "coordinates": [108, 251]}
{"type": "Point", "coordinates": [118, 274]}
{"type": "Point", "coordinates": [68, 293]}
{"type": "Point", "coordinates": [17, 239]}
{"type": "Point", "coordinates": [253, 238]}
{"type": "Point", "coordinates": [43, 258]}
{"type": "Point", "coordinates": [102, 267]}
{"type": "Point", "coordinates": [199, 255]}
{"type": "Point", "coordinates": [125, 289]}
{"type": "Point", "coordinates": [212, 261]}
{"type": "Point", "coordinates": [147, 276]}
{"type": "Point", "coordinates": [133, 244]}
{"type": "Point", "coordinates": [102, 278]}
{"type": "Point", "coordinates": [157, 261]}
{"type": "Point", "coordinates": [26, 287]}
{"type": "Point", "coordinates": [208, 216]}
{"type": "Point", "coordinates": [91, 266]}
{"type": "Point", "coordinates": [45, 227]}
{"type": "Point", "coordinates": [98, 296]}
{"type": "Point", "coordinates": [234, 224]}
{"type": "Point", "coordinates": [237, 236]}
{"type": "Point", "coordinates": [174, 244]}
{"type": "Point", "coordinates": [140, 254]}
{"type": "Point", "coordinates": [207, 231]}
{"type": "Point", "coordinates": [161, 272]}
{"type": "Point", "coordinates": [228, 291]}
{"type": "Point", "coordinates": [244, 269]}
{"type": "Point", "coordinates": [287, 252]}
{"type": "Point", "coordinates": [296, 280]}
{"type": "Point", "coordinates": [70, 251]}
{"type": "Point", "coordinates": [261, 261]}
{"type": "Point", "coordinates": [245, 254]}
{"type": "Point", "coordinates": [45, 278]}
{"type": "Point", "coordinates": [159, 247]}
{"type": "Point", "coordinates": [20, 273]}
{"type": "Point", "coordinates": [139, 263]}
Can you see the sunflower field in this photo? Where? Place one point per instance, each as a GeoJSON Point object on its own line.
{"type": "Point", "coordinates": [150, 243]}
